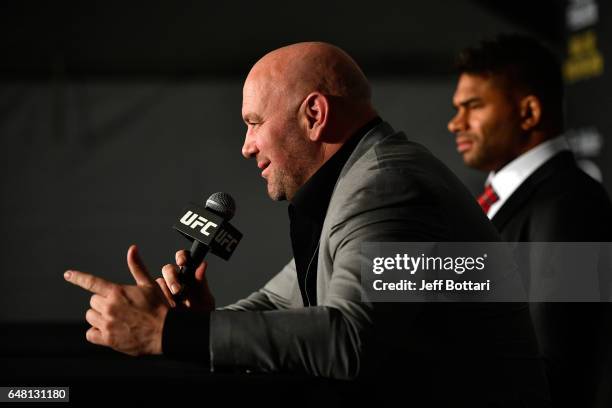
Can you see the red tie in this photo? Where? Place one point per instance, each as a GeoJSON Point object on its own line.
{"type": "Point", "coordinates": [487, 198]}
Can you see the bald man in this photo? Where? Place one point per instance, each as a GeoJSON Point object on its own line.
{"type": "Point", "coordinates": [349, 178]}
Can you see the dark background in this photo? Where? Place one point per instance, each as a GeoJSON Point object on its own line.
{"type": "Point", "coordinates": [114, 115]}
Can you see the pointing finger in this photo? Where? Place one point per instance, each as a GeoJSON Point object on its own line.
{"type": "Point", "coordinates": [137, 267]}
{"type": "Point", "coordinates": [89, 282]}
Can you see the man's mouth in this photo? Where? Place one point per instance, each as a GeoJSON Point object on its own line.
{"type": "Point", "coordinates": [263, 166]}
{"type": "Point", "coordinates": [464, 144]}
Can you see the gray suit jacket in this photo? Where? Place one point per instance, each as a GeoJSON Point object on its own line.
{"type": "Point", "coordinates": [391, 189]}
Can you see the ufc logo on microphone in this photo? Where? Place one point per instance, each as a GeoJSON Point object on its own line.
{"type": "Point", "coordinates": [194, 221]}
{"type": "Point", "coordinates": [226, 240]}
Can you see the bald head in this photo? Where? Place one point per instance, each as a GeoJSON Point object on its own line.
{"type": "Point", "coordinates": [299, 69]}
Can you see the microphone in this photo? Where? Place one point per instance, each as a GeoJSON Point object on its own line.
{"type": "Point", "coordinates": [209, 230]}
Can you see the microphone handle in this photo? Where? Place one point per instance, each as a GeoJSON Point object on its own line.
{"type": "Point", "coordinates": [187, 276]}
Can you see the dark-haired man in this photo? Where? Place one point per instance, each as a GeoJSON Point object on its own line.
{"type": "Point", "coordinates": [509, 119]}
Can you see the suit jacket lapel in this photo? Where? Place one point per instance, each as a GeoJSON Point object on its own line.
{"type": "Point", "coordinates": [522, 194]}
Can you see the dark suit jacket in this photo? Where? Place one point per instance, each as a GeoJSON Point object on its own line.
{"type": "Point", "coordinates": [560, 203]}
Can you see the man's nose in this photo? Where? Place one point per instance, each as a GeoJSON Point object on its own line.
{"type": "Point", "coordinates": [249, 148]}
{"type": "Point", "coordinates": [457, 123]}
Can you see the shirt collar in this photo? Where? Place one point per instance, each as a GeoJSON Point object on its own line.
{"type": "Point", "coordinates": [512, 175]}
{"type": "Point", "coordinates": [312, 199]}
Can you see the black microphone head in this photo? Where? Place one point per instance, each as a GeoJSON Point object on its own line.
{"type": "Point", "coordinates": [222, 204]}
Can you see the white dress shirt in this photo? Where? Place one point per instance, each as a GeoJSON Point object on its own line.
{"type": "Point", "coordinates": [512, 175]}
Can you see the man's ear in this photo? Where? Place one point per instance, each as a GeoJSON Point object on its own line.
{"type": "Point", "coordinates": [316, 110]}
{"type": "Point", "coordinates": [531, 112]}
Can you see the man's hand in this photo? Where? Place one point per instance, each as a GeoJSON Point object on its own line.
{"type": "Point", "coordinates": [196, 297]}
{"type": "Point", "coordinates": [129, 319]}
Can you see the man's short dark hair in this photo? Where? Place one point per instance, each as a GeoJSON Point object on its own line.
{"type": "Point", "coordinates": [524, 64]}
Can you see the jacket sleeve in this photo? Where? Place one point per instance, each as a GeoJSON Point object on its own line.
{"type": "Point", "coordinates": [281, 292]}
{"type": "Point", "coordinates": [324, 340]}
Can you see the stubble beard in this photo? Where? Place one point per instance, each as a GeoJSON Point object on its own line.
{"type": "Point", "coordinates": [476, 157]}
{"type": "Point", "coordinates": [283, 184]}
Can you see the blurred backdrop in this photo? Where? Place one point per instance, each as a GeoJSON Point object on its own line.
{"type": "Point", "coordinates": [114, 115]}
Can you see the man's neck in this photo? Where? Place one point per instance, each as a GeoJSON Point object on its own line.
{"type": "Point", "coordinates": [346, 130]}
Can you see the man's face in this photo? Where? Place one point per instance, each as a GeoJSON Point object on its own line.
{"type": "Point", "coordinates": [487, 123]}
{"type": "Point", "coordinates": [274, 138]}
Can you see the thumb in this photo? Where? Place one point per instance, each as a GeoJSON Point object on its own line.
{"type": "Point", "coordinates": [200, 273]}
{"type": "Point", "coordinates": [137, 267]}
